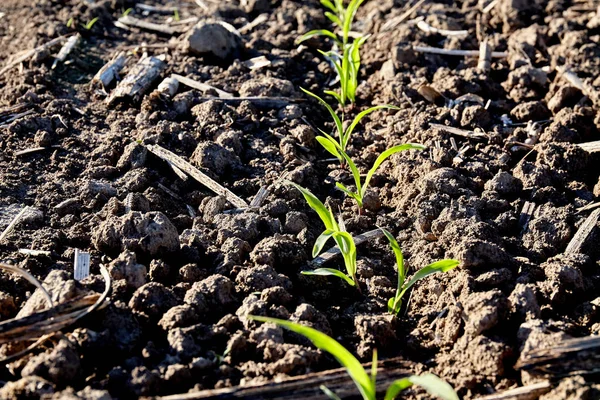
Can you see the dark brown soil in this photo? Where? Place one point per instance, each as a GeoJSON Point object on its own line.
{"type": "Point", "coordinates": [187, 268]}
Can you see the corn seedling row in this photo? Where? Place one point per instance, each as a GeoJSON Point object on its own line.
{"type": "Point", "coordinates": [365, 382]}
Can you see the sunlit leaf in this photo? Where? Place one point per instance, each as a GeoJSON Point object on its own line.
{"type": "Point", "coordinates": [317, 33]}
{"type": "Point", "coordinates": [383, 156]}
{"type": "Point", "coordinates": [329, 146]}
{"type": "Point", "coordinates": [336, 119]}
{"type": "Point", "coordinates": [344, 357]}
{"type": "Point", "coordinates": [430, 382]}
{"type": "Point", "coordinates": [317, 205]}
{"type": "Point", "coordinates": [320, 242]}
{"type": "Point", "coordinates": [438, 266]}
{"type": "Point", "coordinates": [330, 272]}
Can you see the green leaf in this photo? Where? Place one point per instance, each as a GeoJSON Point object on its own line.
{"type": "Point", "coordinates": [316, 33]}
{"type": "Point", "coordinates": [329, 146]}
{"type": "Point", "coordinates": [336, 119]}
{"type": "Point", "coordinates": [334, 18]}
{"type": "Point", "coordinates": [320, 242]}
{"type": "Point", "coordinates": [374, 368]}
{"type": "Point", "coordinates": [399, 257]}
{"type": "Point", "coordinates": [317, 205]}
{"type": "Point", "coordinates": [383, 156]}
{"type": "Point", "coordinates": [434, 385]}
{"type": "Point", "coordinates": [348, 248]}
{"type": "Point", "coordinates": [91, 23]}
{"type": "Point", "coordinates": [396, 387]}
{"type": "Point", "coordinates": [349, 17]}
{"type": "Point", "coordinates": [328, 4]}
{"type": "Point", "coordinates": [360, 116]}
{"type": "Point", "coordinates": [330, 272]}
{"type": "Point", "coordinates": [438, 266]}
{"type": "Point", "coordinates": [339, 5]}
{"type": "Point", "coordinates": [335, 95]}
{"type": "Point", "coordinates": [394, 305]}
{"type": "Point", "coordinates": [344, 189]}
{"type": "Point", "coordinates": [354, 67]}
{"type": "Point", "coordinates": [329, 393]}
{"type": "Point", "coordinates": [330, 345]}
{"type": "Point", "coordinates": [355, 172]}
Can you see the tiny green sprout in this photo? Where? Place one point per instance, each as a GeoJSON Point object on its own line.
{"type": "Point", "coordinates": [126, 12]}
{"type": "Point", "coordinates": [336, 230]}
{"type": "Point", "coordinates": [70, 22]}
{"type": "Point", "coordinates": [338, 146]}
{"type": "Point", "coordinates": [361, 188]}
{"type": "Point", "coordinates": [342, 17]}
{"type": "Point", "coordinates": [176, 15]}
{"type": "Point", "coordinates": [91, 23]}
{"type": "Point", "coordinates": [346, 64]}
{"type": "Point", "coordinates": [364, 381]}
{"type": "Point", "coordinates": [395, 303]}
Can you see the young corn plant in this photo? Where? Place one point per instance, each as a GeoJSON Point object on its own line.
{"type": "Point", "coordinates": [337, 147]}
{"type": "Point", "coordinates": [346, 64]}
{"type": "Point", "coordinates": [395, 303]}
{"type": "Point", "coordinates": [361, 187]}
{"type": "Point", "coordinates": [364, 381]}
{"type": "Point", "coordinates": [336, 230]}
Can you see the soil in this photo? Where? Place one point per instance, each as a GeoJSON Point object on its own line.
{"type": "Point", "coordinates": [187, 267]}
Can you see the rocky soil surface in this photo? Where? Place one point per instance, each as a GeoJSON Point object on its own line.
{"type": "Point", "coordinates": [187, 265]}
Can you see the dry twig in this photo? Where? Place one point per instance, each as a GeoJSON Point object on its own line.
{"type": "Point", "coordinates": [30, 53]}
{"type": "Point", "coordinates": [462, 53]}
{"type": "Point", "coordinates": [189, 169]}
{"type": "Point", "coordinates": [138, 80]}
{"type": "Point", "coordinates": [583, 233]}
{"type": "Point", "coordinates": [201, 86]}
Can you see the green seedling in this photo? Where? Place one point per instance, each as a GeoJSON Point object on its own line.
{"type": "Point", "coordinates": [395, 303]}
{"type": "Point", "coordinates": [70, 22]}
{"type": "Point", "coordinates": [338, 146]}
{"type": "Point", "coordinates": [127, 12]}
{"type": "Point", "coordinates": [364, 381]}
{"type": "Point", "coordinates": [336, 230]}
{"type": "Point", "coordinates": [176, 15]}
{"type": "Point", "coordinates": [361, 188]}
{"type": "Point", "coordinates": [346, 64]}
{"type": "Point", "coordinates": [90, 24]}
{"type": "Point", "coordinates": [342, 17]}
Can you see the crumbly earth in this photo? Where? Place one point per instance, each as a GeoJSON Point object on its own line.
{"type": "Point", "coordinates": [186, 269]}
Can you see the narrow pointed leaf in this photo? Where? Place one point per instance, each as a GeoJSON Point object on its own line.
{"type": "Point", "coordinates": [320, 242]}
{"type": "Point", "coordinates": [399, 257]}
{"type": "Point", "coordinates": [317, 205]}
{"type": "Point", "coordinates": [329, 146]}
{"type": "Point", "coordinates": [334, 94]}
{"type": "Point", "coordinates": [383, 156]}
{"type": "Point", "coordinates": [438, 266]}
{"type": "Point", "coordinates": [328, 4]}
{"type": "Point", "coordinates": [360, 116]}
{"type": "Point", "coordinates": [330, 345]}
{"type": "Point", "coordinates": [348, 248]}
{"type": "Point", "coordinates": [333, 18]}
{"type": "Point", "coordinates": [316, 33]}
{"type": "Point", "coordinates": [336, 119]}
{"type": "Point", "coordinates": [374, 368]}
{"type": "Point", "coordinates": [396, 387]}
{"type": "Point", "coordinates": [355, 172]}
{"type": "Point", "coordinates": [434, 385]}
{"type": "Point", "coordinates": [330, 272]}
